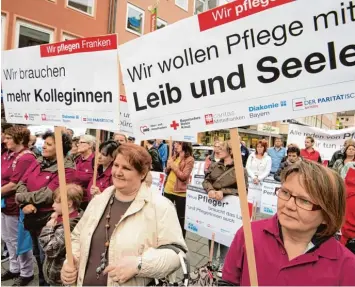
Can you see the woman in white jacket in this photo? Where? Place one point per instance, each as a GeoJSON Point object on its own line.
{"type": "Point", "coordinates": [259, 163]}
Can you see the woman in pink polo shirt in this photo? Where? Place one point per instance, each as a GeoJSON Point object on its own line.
{"type": "Point", "coordinates": [105, 160]}
{"type": "Point", "coordinates": [296, 247]}
{"type": "Point", "coordinates": [84, 166]}
{"type": "Point", "coordinates": [35, 191]}
{"type": "Point", "coordinates": [14, 164]}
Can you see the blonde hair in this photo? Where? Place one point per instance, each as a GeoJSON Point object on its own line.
{"type": "Point", "coordinates": [75, 193]}
{"type": "Point", "coordinates": [326, 189]}
{"type": "Point", "coordinates": [226, 145]}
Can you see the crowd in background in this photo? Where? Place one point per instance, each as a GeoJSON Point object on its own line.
{"type": "Point", "coordinates": [31, 198]}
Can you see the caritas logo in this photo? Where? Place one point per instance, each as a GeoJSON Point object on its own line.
{"type": "Point", "coordinates": [209, 119]}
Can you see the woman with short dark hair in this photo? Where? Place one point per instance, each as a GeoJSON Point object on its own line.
{"type": "Point", "coordinates": [179, 169]}
{"type": "Point", "coordinates": [34, 193]}
{"type": "Point", "coordinates": [297, 247]}
{"type": "Point", "coordinates": [119, 239]}
{"type": "Point", "coordinates": [105, 162]}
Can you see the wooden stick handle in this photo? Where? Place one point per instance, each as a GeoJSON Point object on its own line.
{"type": "Point", "coordinates": [63, 194]}
{"type": "Point", "coordinates": [212, 247]}
{"type": "Point", "coordinates": [98, 133]}
{"type": "Point", "coordinates": [170, 147]}
{"type": "Point", "coordinates": [239, 172]}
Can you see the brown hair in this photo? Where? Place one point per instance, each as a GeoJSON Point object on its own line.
{"type": "Point", "coordinates": [263, 143]}
{"type": "Point", "coordinates": [352, 143]}
{"type": "Point", "coordinates": [326, 189]}
{"type": "Point", "coordinates": [310, 138]}
{"type": "Point", "coordinates": [20, 135]}
{"type": "Point", "coordinates": [226, 145]}
{"type": "Point", "coordinates": [75, 193]}
{"type": "Point", "coordinates": [137, 156]}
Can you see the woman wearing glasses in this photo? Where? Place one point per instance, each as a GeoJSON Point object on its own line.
{"type": "Point", "coordinates": [297, 246]}
{"type": "Point", "coordinates": [84, 167]}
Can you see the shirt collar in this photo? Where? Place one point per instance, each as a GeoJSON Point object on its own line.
{"type": "Point", "coordinates": [323, 246]}
{"type": "Point", "coordinates": [89, 158]}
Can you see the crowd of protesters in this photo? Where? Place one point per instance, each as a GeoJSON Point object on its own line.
{"type": "Point", "coordinates": [314, 203]}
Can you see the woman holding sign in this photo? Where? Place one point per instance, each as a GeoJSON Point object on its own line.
{"type": "Point", "coordinates": [179, 170]}
{"type": "Point", "coordinates": [34, 193]}
{"type": "Point", "coordinates": [220, 181]}
{"type": "Point", "coordinates": [121, 236]}
{"type": "Point", "coordinates": [297, 247]}
{"type": "Point", "coordinates": [347, 161]}
{"type": "Point", "coordinates": [105, 161]}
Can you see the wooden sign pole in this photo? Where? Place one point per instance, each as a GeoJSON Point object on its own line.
{"type": "Point", "coordinates": [239, 172]}
{"type": "Point", "coordinates": [98, 133]}
{"type": "Point", "coordinates": [63, 194]}
{"type": "Point", "coordinates": [170, 147]}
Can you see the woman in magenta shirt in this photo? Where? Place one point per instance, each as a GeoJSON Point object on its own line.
{"type": "Point", "coordinates": [105, 161]}
{"type": "Point", "coordinates": [14, 164]}
{"type": "Point", "coordinates": [84, 165]}
{"type": "Point", "coordinates": [296, 247]}
{"type": "Point", "coordinates": [34, 193]}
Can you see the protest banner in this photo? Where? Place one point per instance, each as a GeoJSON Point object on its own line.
{"type": "Point", "coordinates": [125, 118]}
{"type": "Point", "coordinates": [71, 83]}
{"type": "Point", "coordinates": [268, 197]}
{"type": "Point", "coordinates": [158, 180]}
{"type": "Point", "coordinates": [205, 216]}
{"type": "Point", "coordinates": [326, 141]}
{"type": "Point", "coordinates": [241, 64]}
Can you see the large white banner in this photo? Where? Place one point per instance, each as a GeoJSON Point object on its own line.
{"type": "Point", "coordinates": [326, 141]}
{"type": "Point", "coordinates": [205, 216]}
{"type": "Point", "coordinates": [71, 83]}
{"type": "Point", "coordinates": [243, 63]}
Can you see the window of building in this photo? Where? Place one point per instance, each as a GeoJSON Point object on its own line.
{"type": "Point", "coordinates": [84, 6]}
{"type": "Point", "coordinates": [66, 37]}
{"type": "Point", "coordinates": [161, 23]}
{"type": "Point", "coordinates": [3, 29]}
{"type": "Point", "coordinates": [205, 5]}
{"type": "Point", "coordinates": [342, 119]}
{"type": "Point", "coordinates": [346, 127]}
{"type": "Point", "coordinates": [347, 119]}
{"type": "Point", "coordinates": [29, 34]}
{"type": "Point", "coordinates": [135, 20]}
{"type": "Point", "coordinates": [183, 4]}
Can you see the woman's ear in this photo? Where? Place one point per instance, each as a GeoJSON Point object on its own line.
{"type": "Point", "coordinates": [70, 203]}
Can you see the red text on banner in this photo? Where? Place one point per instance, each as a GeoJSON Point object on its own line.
{"type": "Point", "coordinates": [92, 44]}
{"type": "Point", "coordinates": [234, 11]}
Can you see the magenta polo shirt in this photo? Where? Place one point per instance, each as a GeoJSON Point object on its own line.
{"type": "Point", "coordinates": [10, 174]}
{"type": "Point", "coordinates": [331, 264]}
{"type": "Point", "coordinates": [35, 179]}
{"type": "Point", "coordinates": [84, 173]}
{"type": "Point", "coordinates": [103, 181]}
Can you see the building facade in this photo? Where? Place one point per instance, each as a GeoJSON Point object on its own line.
{"type": "Point", "coordinates": [346, 119]}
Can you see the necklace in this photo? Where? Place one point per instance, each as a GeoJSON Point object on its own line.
{"type": "Point", "coordinates": [103, 256]}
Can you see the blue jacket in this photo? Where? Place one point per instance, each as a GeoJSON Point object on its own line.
{"type": "Point", "coordinates": [276, 157]}
{"type": "Point", "coordinates": [163, 152]}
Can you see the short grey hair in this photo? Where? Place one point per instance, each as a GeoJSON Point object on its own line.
{"type": "Point", "coordinates": [91, 140]}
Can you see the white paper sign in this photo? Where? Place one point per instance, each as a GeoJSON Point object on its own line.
{"type": "Point", "coordinates": [326, 141]}
{"type": "Point", "coordinates": [125, 117]}
{"type": "Point", "coordinates": [158, 181]}
{"type": "Point", "coordinates": [205, 216]}
{"type": "Point", "coordinates": [72, 83]}
{"type": "Point", "coordinates": [268, 197]}
{"type": "Point", "coordinates": [244, 63]}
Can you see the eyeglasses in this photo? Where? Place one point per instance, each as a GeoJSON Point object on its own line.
{"type": "Point", "coordinates": [81, 142]}
{"type": "Point", "coordinates": [300, 202]}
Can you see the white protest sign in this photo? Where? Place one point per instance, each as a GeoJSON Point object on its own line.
{"type": "Point", "coordinates": [243, 63]}
{"type": "Point", "coordinates": [198, 174]}
{"type": "Point", "coordinates": [326, 141]}
{"type": "Point", "coordinates": [205, 216]}
{"type": "Point", "coordinates": [158, 180]}
{"type": "Point", "coordinates": [71, 83]}
{"type": "Point", "coordinates": [268, 196]}
{"type": "Point", "coordinates": [125, 117]}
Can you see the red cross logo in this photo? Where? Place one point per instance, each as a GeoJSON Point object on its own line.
{"type": "Point", "coordinates": [26, 117]}
{"type": "Point", "coordinates": [174, 125]}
